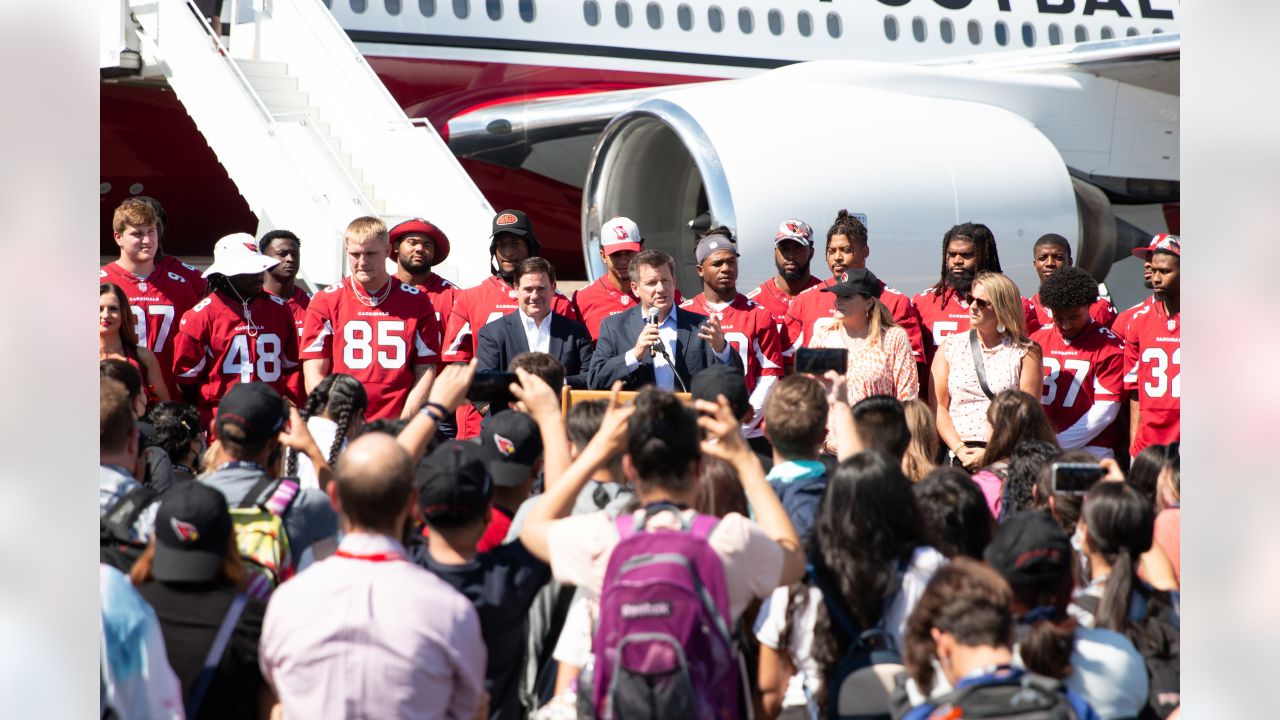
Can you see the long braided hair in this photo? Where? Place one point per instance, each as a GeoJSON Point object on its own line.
{"type": "Point", "coordinates": [342, 398]}
{"type": "Point", "coordinates": [984, 247]}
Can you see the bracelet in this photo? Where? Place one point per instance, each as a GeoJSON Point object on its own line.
{"type": "Point", "coordinates": [436, 411]}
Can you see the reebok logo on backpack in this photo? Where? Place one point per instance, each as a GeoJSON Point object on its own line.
{"type": "Point", "coordinates": [663, 648]}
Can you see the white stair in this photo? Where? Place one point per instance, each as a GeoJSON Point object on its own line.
{"type": "Point", "coordinates": [308, 133]}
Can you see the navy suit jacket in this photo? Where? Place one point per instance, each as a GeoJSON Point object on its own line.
{"type": "Point", "coordinates": [504, 338]}
{"type": "Point", "coordinates": [618, 334]}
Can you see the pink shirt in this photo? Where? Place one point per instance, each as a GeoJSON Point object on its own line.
{"type": "Point", "coordinates": [1168, 535]}
{"type": "Point", "coordinates": [372, 636]}
{"type": "Point", "coordinates": [969, 404]}
{"type": "Point", "coordinates": [581, 545]}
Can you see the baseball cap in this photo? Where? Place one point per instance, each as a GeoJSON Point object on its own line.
{"type": "Point", "coordinates": [1163, 242]}
{"type": "Point", "coordinates": [712, 243]}
{"type": "Point", "coordinates": [237, 254]}
{"type": "Point", "coordinates": [725, 380]}
{"type": "Point", "coordinates": [512, 444]}
{"type": "Point", "coordinates": [453, 481]}
{"type": "Point", "coordinates": [512, 221]}
{"type": "Point", "coordinates": [858, 281]}
{"type": "Point", "coordinates": [193, 528]}
{"type": "Point", "coordinates": [797, 230]}
{"type": "Point", "coordinates": [1029, 549]}
{"type": "Point", "coordinates": [253, 410]}
{"type": "Point", "coordinates": [422, 227]}
{"type": "Point", "coordinates": [620, 234]}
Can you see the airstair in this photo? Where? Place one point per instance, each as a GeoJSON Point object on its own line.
{"type": "Point", "coordinates": [305, 129]}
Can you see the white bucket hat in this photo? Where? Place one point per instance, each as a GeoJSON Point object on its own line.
{"type": "Point", "coordinates": [237, 254]}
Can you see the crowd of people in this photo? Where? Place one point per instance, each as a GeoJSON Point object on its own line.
{"type": "Point", "coordinates": [817, 498]}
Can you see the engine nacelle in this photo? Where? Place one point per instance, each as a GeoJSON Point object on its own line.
{"type": "Point", "coordinates": [750, 154]}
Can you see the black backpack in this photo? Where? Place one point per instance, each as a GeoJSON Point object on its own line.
{"type": "Point", "coordinates": [1025, 696]}
{"type": "Point", "coordinates": [1157, 636]}
{"type": "Point", "coordinates": [115, 544]}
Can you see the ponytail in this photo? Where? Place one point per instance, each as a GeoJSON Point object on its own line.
{"type": "Point", "coordinates": [1049, 639]}
{"type": "Point", "coordinates": [1120, 523]}
{"type": "Point", "coordinates": [1113, 609]}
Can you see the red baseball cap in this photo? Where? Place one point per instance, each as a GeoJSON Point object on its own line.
{"type": "Point", "coordinates": [1163, 242]}
{"type": "Point", "coordinates": [422, 227]}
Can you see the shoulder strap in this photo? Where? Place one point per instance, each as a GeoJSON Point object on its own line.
{"type": "Point", "coordinates": [216, 652]}
{"type": "Point", "coordinates": [255, 494]}
{"type": "Point", "coordinates": [121, 516]}
{"type": "Point", "coordinates": [978, 365]}
{"type": "Point", "coordinates": [285, 493]}
{"type": "Point", "coordinates": [834, 605]}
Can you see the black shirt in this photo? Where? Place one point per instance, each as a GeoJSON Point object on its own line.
{"type": "Point", "coordinates": [501, 584]}
{"type": "Point", "coordinates": [190, 614]}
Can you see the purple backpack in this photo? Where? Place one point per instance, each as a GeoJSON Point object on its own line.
{"type": "Point", "coordinates": [663, 647]}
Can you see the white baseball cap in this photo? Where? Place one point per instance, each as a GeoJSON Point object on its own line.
{"type": "Point", "coordinates": [237, 254]}
{"type": "Point", "coordinates": [620, 234]}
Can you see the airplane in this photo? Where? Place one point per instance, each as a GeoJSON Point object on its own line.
{"type": "Point", "coordinates": [1054, 115]}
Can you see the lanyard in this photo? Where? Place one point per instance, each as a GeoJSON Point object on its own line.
{"type": "Point", "coordinates": [372, 557]}
{"type": "Point", "coordinates": [241, 464]}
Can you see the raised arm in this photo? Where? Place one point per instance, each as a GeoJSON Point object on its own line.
{"type": "Point", "coordinates": [447, 391]}
{"type": "Point", "coordinates": [537, 400]}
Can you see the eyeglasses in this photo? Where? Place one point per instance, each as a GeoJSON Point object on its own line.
{"type": "Point", "coordinates": [982, 304]}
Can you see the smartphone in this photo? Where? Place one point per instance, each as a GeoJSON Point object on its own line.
{"type": "Point", "coordinates": [492, 387]}
{"type": "Point", "coordinates": [816, 361]}
{"type": "Point", "coordinates": [1076, 478]}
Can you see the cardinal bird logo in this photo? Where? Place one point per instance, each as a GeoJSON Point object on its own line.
{"type": "Point", "coordinates": [505, 446]}
{"type": "Point", "coordinates": [621, 232]}
{"type": "Point", "coordinates": [250, 247]}
{"type": "Point", "coordinates": [185, 531]}
{"type": "Point", "coordinates": [506, 219]}
{"type": "Point", "coordinates": [844, 277]}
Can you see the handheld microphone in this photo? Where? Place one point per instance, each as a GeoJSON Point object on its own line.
{"type": "Point", "coordinates": [653, 320]}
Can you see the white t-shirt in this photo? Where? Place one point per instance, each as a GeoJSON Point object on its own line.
{"type": "Point", "coordinates": [772, 619]}
{"type": "Point", "coordinates": [324, 431]}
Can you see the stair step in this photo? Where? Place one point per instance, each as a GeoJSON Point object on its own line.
{"type": "Point", "coordinates": [273, 83]}
{"type": "Point", "coordinates": [262, 68]}
{"type": "Point", "coordinates": [277, 101]}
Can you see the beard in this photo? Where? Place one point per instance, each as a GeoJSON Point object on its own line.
{"type": "Point", "coordinates": [961, 282]}
{"type": "Point", "coordinates": [793, 276]}
{"type": "Point", "coordinates": [415, 268]}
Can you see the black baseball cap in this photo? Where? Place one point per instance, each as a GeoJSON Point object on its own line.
{"type": "Point", "coordinates": [512, 444]}
{"type": "Point", "coordinates": [512, 221]}
{"type": "Point", "coordinates": [193, 529]}
{"type": "Point", "coordinates": [453, 481]}
{"type": "Point", "coordinates": [1030, 549]}
{"type": "Point", "coordinates": [858, 281]}
{"type": "Point", "coordinates": [726, 380]}
{"type": "Point", "coordinates": [252, 411]}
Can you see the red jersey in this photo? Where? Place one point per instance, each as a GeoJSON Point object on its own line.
{"type": "Point", "coordinates": [158, 301]}
{"type": "Point", "coordinates": [1078, 373]}
{"type": "Point", "coordinates": [442, 294]}
{"type": "Point", "coordinates": [297, 304]}
{"type": "Point", "coordinates": [1153, 358]}
{"type": "Point", "coordinates": [944, 313]}
{"type": "Point", "coordinates": [170, 263]}
{"type": "Point", "coordinates": [478, 306]}
{"type": "Point", "coordinates": [379, 345]}
{"type": "Point", "coordinates": [778, 303]}
{"type": "Point", "coordinates": [219, 344]}
{"type": "Point", "coordinates": [1121, 325]}
{"type": "Point", "coordinates": [1101, 311]}
{"type": "Point", "coordinates": [600, 300]}
{"type": "Point", "coordinates": [813, 306]}
{"type": "Point", "coordinates": [750, 329]}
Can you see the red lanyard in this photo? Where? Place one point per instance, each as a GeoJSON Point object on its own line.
{"type": "Point", "coordinates": [375, 557]}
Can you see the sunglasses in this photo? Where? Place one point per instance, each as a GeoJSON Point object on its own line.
{"type": "Point", "coordinates": [982, 304]}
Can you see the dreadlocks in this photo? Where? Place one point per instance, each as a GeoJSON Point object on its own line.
{"type": "Point", "coordinates": [984, 248]}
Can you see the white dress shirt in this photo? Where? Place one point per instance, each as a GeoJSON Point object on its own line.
{"type": "Point", "coordinates": [537, 334]}
{"type": "Point", "coordinates": [664, 375]}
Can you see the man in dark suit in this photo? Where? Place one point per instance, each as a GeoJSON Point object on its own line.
{"type": "Point", "coordinates": [669, 353]}
{"type": "Point", "coordinates": [535, 327]}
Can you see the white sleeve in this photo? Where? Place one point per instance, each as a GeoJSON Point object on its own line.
{"type": "Point", "coordinates": [772, 618]}
{"type": "Point", "coordinates": [574, 646]}
{"type": "Point", "coordinates": [763, 386]}
{"type": "Point", "coordinates": [1102, 414]}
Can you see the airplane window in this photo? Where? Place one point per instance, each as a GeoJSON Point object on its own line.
{"type": "Point", "coordinates": [1055, 35]}
{"type": "Point", "coordinates": [947, 31]}
{"type": "Point", "coordinates": [918, 30]}
{"type": "Point", "coordinates": [653, 13]}
{"type": "Point", "coordinates": [891, 27]}
{"type": "Point", "coordinates": [715, 19]}
{"type": "Point", "coordinates": [1157, 31]}
{"type": "Point", "coordinates": [684, 16]}
{"type": "Point", "coordinates": [327, 3]}
{"type": "Point", "coordinates": [1028, 35]}
{"type": "Point", "coordinates": [528, 10]}
{"type": "Point", "coordinates": [358, 6]}
{"type": "Point", "coordinates": [975, 32]}
{"type": "Point", "coordinates": [1082, 33]}
{"type": "Point", "coordinates": [591, 12]}
{"type": "Point", "coordinates": [462, 8]}
{"type": "Point", "coordinates": [804, 23]}
{"type": "Point", "coordinates": [427, 8]}
{"type": "Point", "coordinates": [834, 27]}
{"type": "Point", "coordinates": [1131, 32]}
{"type": "Point", "coordinates": [622, 11]}
{"type": "Point", "coordinates": [494, 8]}
{"type": "Point", "coordinates": [1107, 34]}
{"type": "Point", "coordinates": [746, 21]}
{"type": "Point", "coordinates": [1002, 34]}
{"type": "Point", "coordinates": [393, 7]}
{"type": "Point", "coordinates": [775, 22]}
